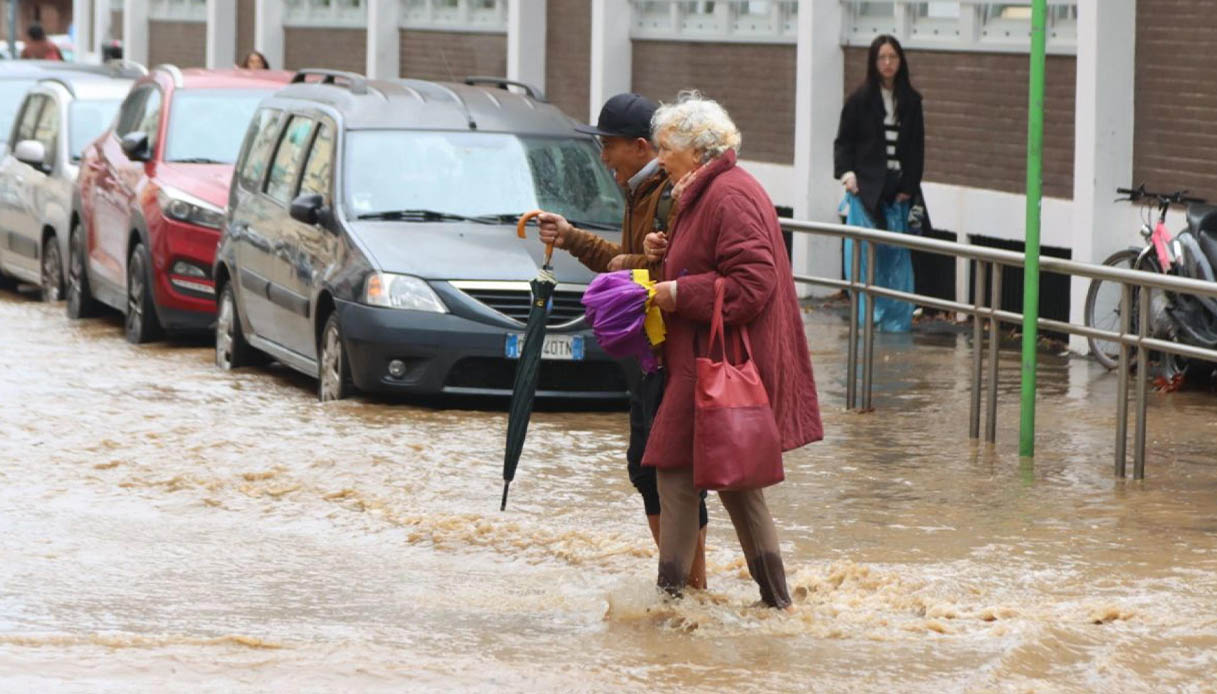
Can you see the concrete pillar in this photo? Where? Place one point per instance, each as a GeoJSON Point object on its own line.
{"type": "Point", "coordinates": [384, 44]}
{"type": "Point", "coordinates": [268, 31]}
{"type": "Point", "coordinates": [526, 42]}
{"type": "Point", "coordinates": [1103, 137]}
{"type": "Point", "coordinates": [82, 24]}
{"type": "Point", "coordinates": [101, 25]}
{"type": "Point", "coordinates": [819, 96]}
{"type": "Point", "coordinates": [221, 33]}
{"type": "Point", "coordinates": [612, 53]}
{"type": "Point", "coordinates": [135, 30]}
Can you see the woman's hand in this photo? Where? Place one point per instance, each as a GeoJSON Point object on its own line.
{"type": "Point", "coordinates": [655, 246]}
{"type": "Point", "coordinates": [665, 296]}
{"type": "Point", "coordinates": [902, 197]}
{"type": "Point", "coordinates": [850, 181]}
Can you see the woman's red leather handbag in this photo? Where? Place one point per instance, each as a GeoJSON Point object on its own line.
{"type": "Point", "coordinates": [736, 445]}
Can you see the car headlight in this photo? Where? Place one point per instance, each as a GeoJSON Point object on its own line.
{"type": "Point", "coordinates": [184, 207]}
{"type": "Point", "coordinates": [401, 291]}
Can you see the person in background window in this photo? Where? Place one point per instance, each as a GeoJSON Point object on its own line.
{"type": "Point", "coordinates": [255, 61]}
{"type": "Point", "coordinates": [879, 156]}
{"type": "Point", "coordinates": [38, 47]}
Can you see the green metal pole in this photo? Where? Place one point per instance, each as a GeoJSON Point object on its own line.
{"type": "Point", "coordinates": [1035, 181]}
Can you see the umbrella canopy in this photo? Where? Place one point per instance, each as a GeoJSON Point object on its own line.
{"type": "Point", "coordinates": [524, 390]}
{"type": "Point", "coordinates": [624, 316]}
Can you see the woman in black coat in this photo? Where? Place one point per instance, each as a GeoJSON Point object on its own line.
{"type": "Point", "coordinates": [879, 157]}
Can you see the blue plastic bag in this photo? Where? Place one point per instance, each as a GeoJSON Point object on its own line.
{"type": "Point", "coordinates": [893, 266]}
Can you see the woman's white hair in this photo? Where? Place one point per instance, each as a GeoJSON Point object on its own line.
{"type": "Point", "coordinates": [696, 123]}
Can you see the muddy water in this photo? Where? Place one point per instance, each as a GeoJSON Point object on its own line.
{"type": "Point", "coordinates": [165, 525]}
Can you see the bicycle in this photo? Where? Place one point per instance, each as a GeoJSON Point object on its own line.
{"type": "Point", "coordinates": [1103, 297]}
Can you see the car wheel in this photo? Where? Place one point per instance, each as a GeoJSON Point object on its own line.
{"type": "Point", "coordinates": [232, 351]}
{"type": "Point", "coordinates": [334, 379]}
{"type": "Point", "coordinates": [141, 324]}
{"type": "Point", "coordinates": [52, 271]}
{"type": "Point", "coordinates": [80, 299]}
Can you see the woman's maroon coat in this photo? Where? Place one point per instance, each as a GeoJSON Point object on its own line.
{"type": "Point", "coordinates": [726, 226]}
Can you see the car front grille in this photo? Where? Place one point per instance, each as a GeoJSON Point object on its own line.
{"type": "Point", "coordinates": [513, 300]}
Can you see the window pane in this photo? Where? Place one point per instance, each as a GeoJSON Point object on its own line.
{"type": "Point", "coordinates": [48, 128]}
{"type": "Point", "coordinates": [876, 9]}
{"type": "Point", "coordinates": [208, 125]}
{"type": "Point", "coordinates": [263, 131]}
{"type": "Point", "coordinates": [87, 120]}
{"type": "Point", "coordinates": [29, 118]}
{"type": "Point", "coordinates": [318, 171]}
{"type": "Point", "coordinates": [131, 111]}
{"type": "Point", "coordinates": [292, 146]}
{"type": "Point", "coordinates": [150, 124]}
{"type": "Point", "coordinates": [11, 94]}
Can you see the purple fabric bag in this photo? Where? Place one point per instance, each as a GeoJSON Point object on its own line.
{"type": "Point", "coordinates": [616, 309]}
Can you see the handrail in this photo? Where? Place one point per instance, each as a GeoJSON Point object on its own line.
{"type": "Point", "coordinates": [995, 260]}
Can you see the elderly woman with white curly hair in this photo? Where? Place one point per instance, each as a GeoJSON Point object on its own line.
{"type": "Point", "coordinates": [726, 228]}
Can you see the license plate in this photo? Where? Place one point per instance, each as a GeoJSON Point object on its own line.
{"type": "Point", "coordinates": [557, 347]}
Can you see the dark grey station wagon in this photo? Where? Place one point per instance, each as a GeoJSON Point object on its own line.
{"type": "Point", "coordinates": [370, 238]}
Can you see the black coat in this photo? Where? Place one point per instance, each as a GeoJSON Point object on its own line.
{"type": "Point", "coordinates": [861, 147]}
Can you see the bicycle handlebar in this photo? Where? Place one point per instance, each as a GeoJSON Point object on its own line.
{"type": "Point", "coordinates": [1176, 198]}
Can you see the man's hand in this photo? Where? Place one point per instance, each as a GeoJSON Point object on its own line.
{"type": "Point", "coordinates": [618, 263]}
{"type": "Point", "coordinates": [850, 181]}
{"type": "Point", "coordinates": [665, 296]}
{"type": "Point", "coordinates": [655, 246]}
{"type": "Point", "coordinates": [554, 229]}
{"type": "Point", "coordinates": [901, 197]}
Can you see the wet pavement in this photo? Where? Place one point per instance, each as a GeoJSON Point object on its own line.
{"type": "Point", "coordinates": [165, 525]}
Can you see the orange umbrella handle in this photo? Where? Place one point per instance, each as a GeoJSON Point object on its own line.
{"type": "Point", "coordinates": [549, 247]}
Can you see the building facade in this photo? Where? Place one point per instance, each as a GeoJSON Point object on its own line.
{"type": "Point", "coordinates": [1129, 98]}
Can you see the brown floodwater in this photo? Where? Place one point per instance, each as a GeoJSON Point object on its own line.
{"type": "Point", "coordinates": [165, 525]}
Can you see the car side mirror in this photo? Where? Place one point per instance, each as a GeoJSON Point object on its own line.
{"type": "Point", "coordinates": [306, 208]}
{"type": "Point", "coordinates": [31, 152]}
{"type": "Point", "coordinates": [135, 146]}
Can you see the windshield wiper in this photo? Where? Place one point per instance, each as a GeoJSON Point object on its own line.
{"type": "Point", "coordinates": [197, 160]}
{"type": "Point", "coordinates": [419, 216]}
{"type": "Point", "coordinates": [512, 218]}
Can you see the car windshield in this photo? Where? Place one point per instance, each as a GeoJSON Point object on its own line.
{"type": "Point", "coordinates": [207, 125]}
{"type": "Point", "coordinates": [86, 121]}
{"type": "Point", "coordinates": [11, 93]}
{"type": "Point", "coordinates": [477, 174]}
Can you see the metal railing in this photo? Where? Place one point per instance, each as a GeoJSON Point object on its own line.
{"type": "Point", "coordinates": [989, 266]}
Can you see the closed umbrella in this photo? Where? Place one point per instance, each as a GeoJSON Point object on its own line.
{"type": "Point", "coordinates": [524, 390]}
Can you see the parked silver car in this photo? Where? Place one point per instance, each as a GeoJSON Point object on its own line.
{"type": "Point", "coordinates": [57, 119]}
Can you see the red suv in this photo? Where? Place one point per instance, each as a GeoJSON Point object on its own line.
{"type": "Point", "coordinates": [150, 198]}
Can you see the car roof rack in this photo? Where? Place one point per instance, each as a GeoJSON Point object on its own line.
{"type": "Point", "coordinates": [503, 83]}
{"type": "Point", "coordinates": [126, 68]}
{"type": "Point", "coordinates": [357, 83]}
{"type": "Point", "coordinates": [172, 70]}
{"type": "Point", "coordinates": [61, 82]}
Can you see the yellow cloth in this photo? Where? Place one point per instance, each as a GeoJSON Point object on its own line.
{"type": "Point", "coordinates": [656, 332]}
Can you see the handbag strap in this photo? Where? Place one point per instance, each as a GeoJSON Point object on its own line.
{"type": "Point", "coordinates": [717, 331]}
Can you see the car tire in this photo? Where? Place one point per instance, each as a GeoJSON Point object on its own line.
{"type": "Point", "coordinates": [333, 368]}
{"type": "Point", "coordinates": [52, 271]}
{"type": "Point", "coordinates": [81, 303]}
{"type": "Point", "coordinates": [140, 324]}
{"type": "Point", "coordinates": [232, 350]}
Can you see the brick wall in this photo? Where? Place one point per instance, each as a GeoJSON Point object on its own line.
{"type": "Point", "coordinates": [245, 29]}
{"type": "Point", "coordinates": [451, 56]}
{"type": "Point", "coordinates": [182, 43]}
{"type": "Point", "coordinates": [336, 49]}
{"type": "Point", "coordinates": [976, 117]}
{"type": "Point", "coordinates": [1175, 141]}
{"type": "Point", "coordinates": [568, 29]}
{"type": "Point", "coordinates": [754, 82]}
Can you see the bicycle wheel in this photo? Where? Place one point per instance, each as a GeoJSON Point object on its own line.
{"type": "Point", "coordinates": [1169, 368]}
{"type": "Point", "coordinates": [1103, 308]}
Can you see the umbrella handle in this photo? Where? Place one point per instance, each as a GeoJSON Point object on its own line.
{"type": "Point", "coordinates": [549, 247]}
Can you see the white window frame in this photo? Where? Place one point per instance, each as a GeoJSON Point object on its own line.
{"type": "Point", "coordinates": [466, 17]}
{"type": "Point", "coordinates": [726, 23]}
{"type": "Point", "coordinates": [347, 14]}
{"type": "Point", "coordinates": [177, 10]}
{"type": "Point", "coordinates": [971, 31]}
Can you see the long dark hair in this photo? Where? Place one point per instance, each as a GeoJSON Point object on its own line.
{"type": "Point", "coordinates": [903, 87]}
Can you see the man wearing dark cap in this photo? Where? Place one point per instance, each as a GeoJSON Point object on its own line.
{"type": "Point", "coordinates": [624, 131]}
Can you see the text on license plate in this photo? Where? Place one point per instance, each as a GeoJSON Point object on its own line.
{"type": "Point", "coordinates": [564, 347]}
